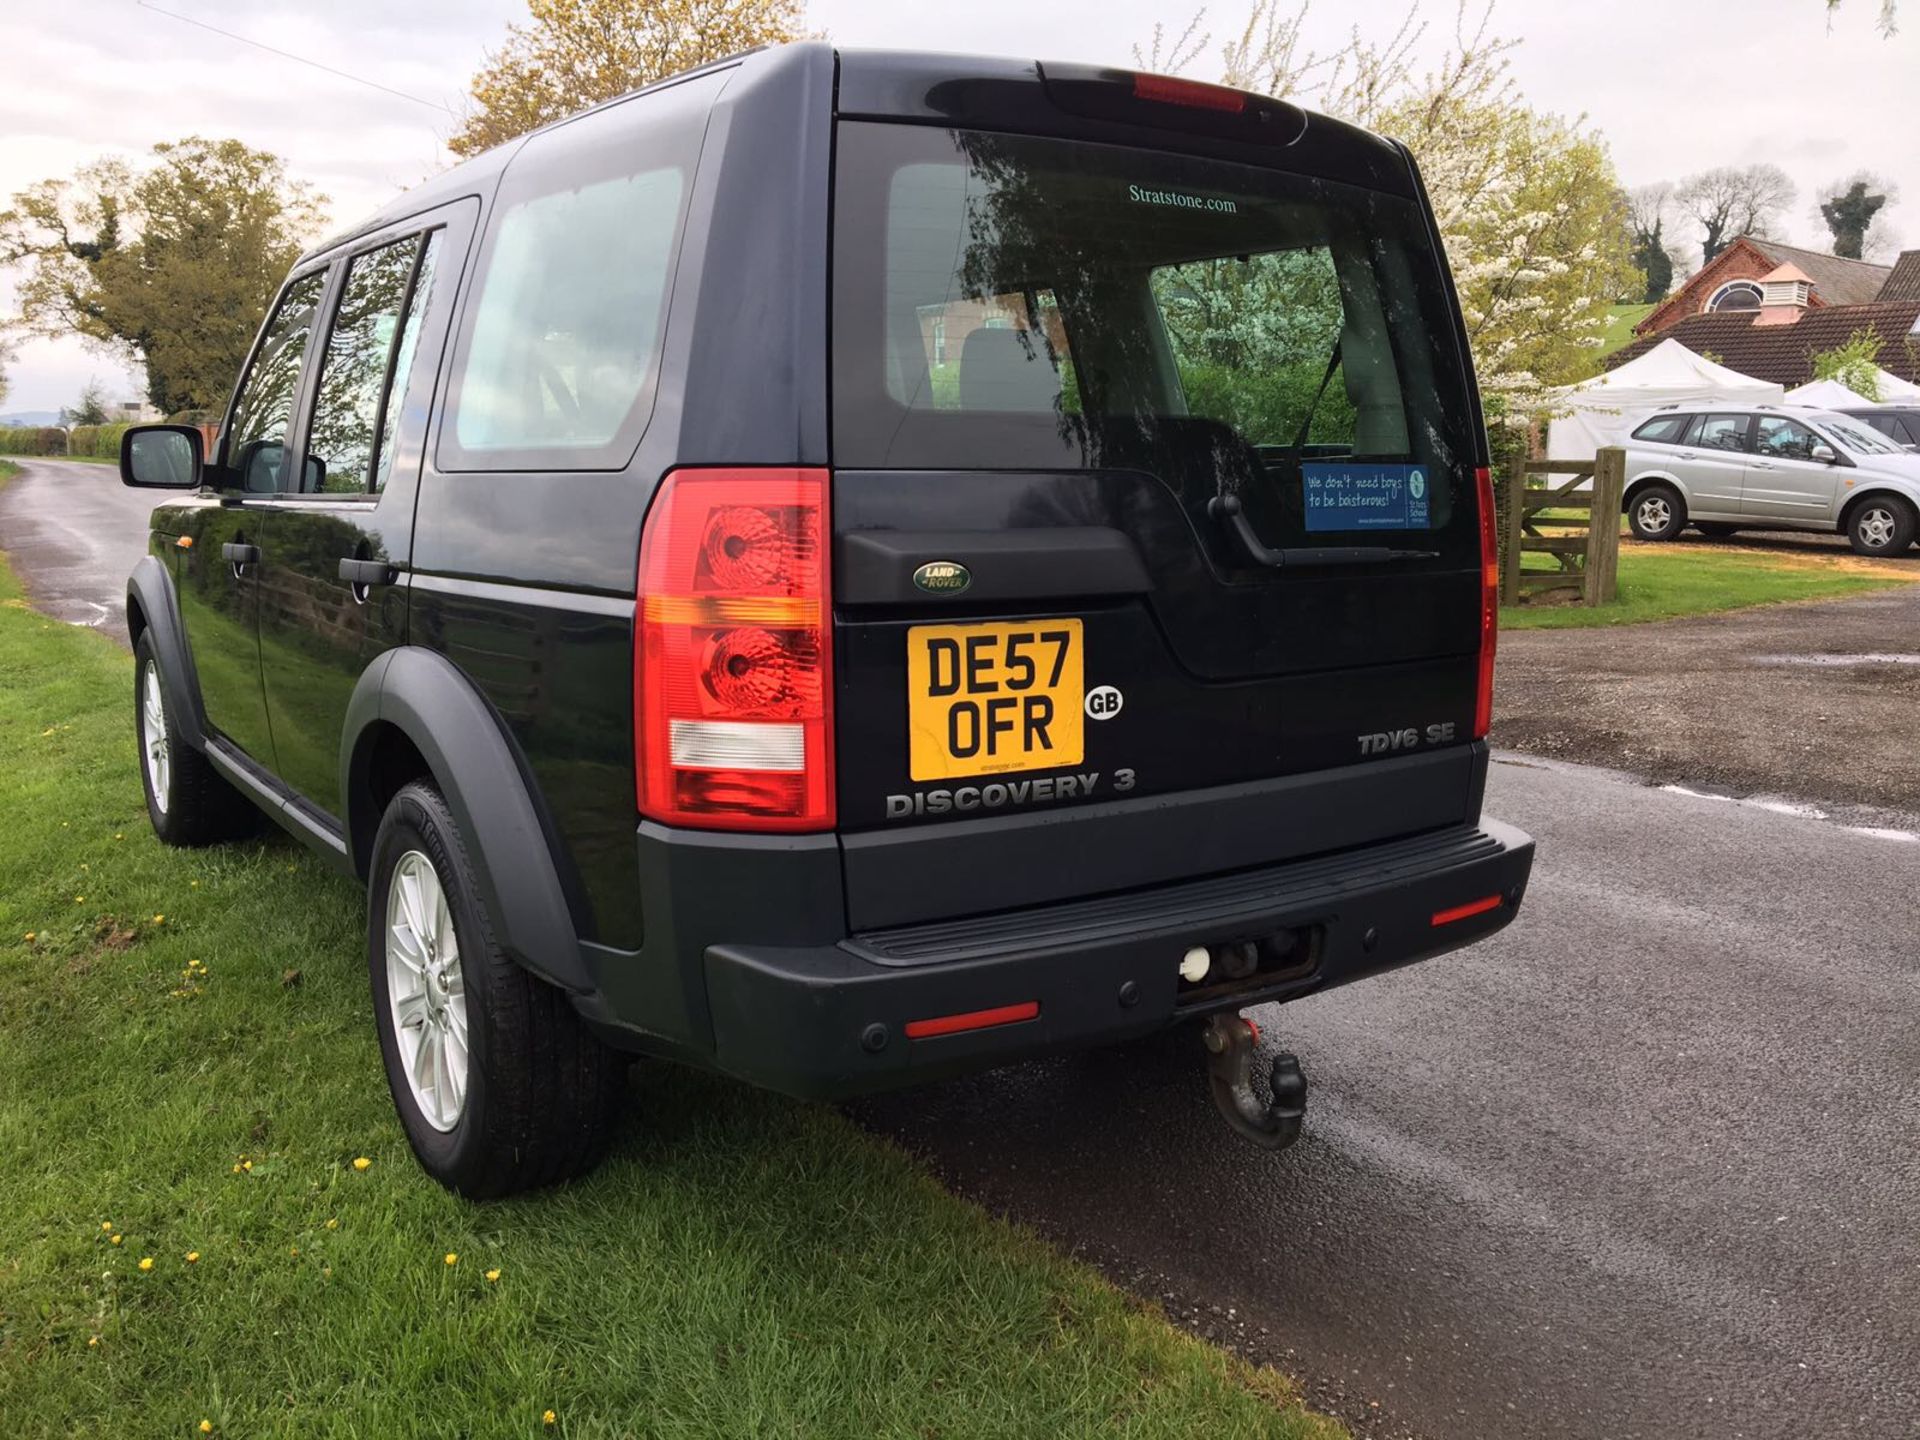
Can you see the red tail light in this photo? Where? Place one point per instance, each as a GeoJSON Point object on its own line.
{"type": "Point", "coordinates": [733, 652]}
{"type": "Point", "coordinates": [1194, 94]}
{"type": "Point", "coordinates": [1489, 604]}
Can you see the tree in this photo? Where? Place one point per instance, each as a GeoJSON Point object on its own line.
{"type": "Point", "coordinates": [1850, 208]}
{"type": "Point", "coordinates": [171, 266]}
{"type": "Point", "coordinates": [1527, 203]}
{"type": "Point", "coordinates": [577, 53]}
{"type": "Point", "coordinates": [1648, 208]}
{"type": "Point", "coordinates": [1889, 15]}
{"type": "Point", "coordinates": [1855, 364]}
{"type": "Point", "coordinates": [89, 409]}
{"type": "Point", "coordinates": [1729, 201]}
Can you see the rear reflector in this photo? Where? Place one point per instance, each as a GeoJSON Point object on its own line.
{"type": "Point", "coordinates": [1466, 911]}
{"type": "Point", "coordinates": [733, 652]}
{"type": "Point", "coordinates": [973, 1020]}
{"type": "Point", "coordinates": [1489, 605]}
{"type": "Point", "coordinates": [1167, 90]}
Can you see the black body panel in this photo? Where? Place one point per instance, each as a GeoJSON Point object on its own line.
{"type": "Point", "coordinates": [498, 656]}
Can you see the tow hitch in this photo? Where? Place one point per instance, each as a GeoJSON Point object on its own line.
{"type": "Point", "coordinates": [1271, 1124]}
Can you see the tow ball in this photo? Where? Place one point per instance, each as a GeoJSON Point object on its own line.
{"type": "Point", "coordinates": [1272, 1124]}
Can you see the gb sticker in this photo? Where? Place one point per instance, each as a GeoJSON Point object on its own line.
{"type": "Point", "coordinates": [1104, 702]}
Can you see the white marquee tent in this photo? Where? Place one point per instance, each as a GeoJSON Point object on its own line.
{"type": "Point", "coordinates": [1829, 394]}
{"type": "Point", "coordinates": [1605, 409]}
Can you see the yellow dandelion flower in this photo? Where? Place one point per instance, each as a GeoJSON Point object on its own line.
{"type": "Point", "coordinates": [107, 1225]}
{"type": "Point", "coordinates": [206, 1427]}
{"type": "Point", "coordinates": [79, 899]}
{"type": "Point", "coordinates": [193, 1257]}
{"type": "Point", "coordinates": [452, 1258]}
{"type": "Point", "coordinates": [294, 1251]}
{"type": "Point", "coordinates": [236, 1169]}
{"type": "Point", "coordinates": [159, 919]}
{"type": "Point", "coordinates": [92, 1341]}
{"type": "Point", "coordinates": [493, 1277]}
{"type": "Point", "coordinates": [362, 1163]}
{"type": "Point", "coordinates": [117, 1238]}
{"type": "Point", "coordinates": [29, 937]}
{"type": "Point", "coordinates": [549, 1418]}
{"type": "Point", "coordinates": [146, 1262]}
{"type": "Point", "coordinates": [246, 1165]}
{"type": "Point", "coordinates": [193, 884]}
{"type": "Point", "coordinates": [120, 837]}
{"type": "Point", "coordinates": [333, 1224]}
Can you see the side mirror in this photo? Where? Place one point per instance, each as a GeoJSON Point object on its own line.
{"type": "Point", "coordinates": [161, 457]}
{"type": "Point", "coordinates": [1824, 453]}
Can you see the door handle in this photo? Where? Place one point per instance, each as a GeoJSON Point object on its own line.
{"type": "Point", "coordinates": [240, 554]}
{"type": "Point", "coordinates": [368, 572]}
{"type": "Point", "coordinates": [1688, 455]}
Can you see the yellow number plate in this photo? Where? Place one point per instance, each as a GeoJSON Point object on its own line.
{"type": "Point", "coordinates": [986, 699]}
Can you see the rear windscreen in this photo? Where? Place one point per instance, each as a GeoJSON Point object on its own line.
{"type": "Point", "coordinates": [1016, 302]}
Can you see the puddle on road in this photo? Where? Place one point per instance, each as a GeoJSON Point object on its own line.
{"type": "Point", "coordinates": [1870, 658]}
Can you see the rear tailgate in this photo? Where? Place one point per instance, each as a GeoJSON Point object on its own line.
{"type": "Point", "coordinates": [1156, 532]}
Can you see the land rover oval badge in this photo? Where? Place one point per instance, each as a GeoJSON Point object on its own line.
{"type": "Point", "coordinates": [943, 577]}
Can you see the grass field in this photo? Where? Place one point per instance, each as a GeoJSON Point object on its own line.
{"type": "Point", "coordinates": [189, 1085]}
{"type": "Point", "coordinates": [1660, 583]}
{"type": "Point", "coordinates": [1620, 322]}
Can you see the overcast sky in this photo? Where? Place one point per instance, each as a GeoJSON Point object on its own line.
{"type": "Point", "coordinates": [1674, 86]}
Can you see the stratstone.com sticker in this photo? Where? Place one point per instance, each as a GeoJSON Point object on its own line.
{"type": "Point", "coordinates": [1140, 195]}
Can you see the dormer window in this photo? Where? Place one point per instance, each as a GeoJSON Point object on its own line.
{"type": "Point", "coordinates": [1737, 295]}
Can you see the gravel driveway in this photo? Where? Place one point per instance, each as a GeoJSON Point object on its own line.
{"type": "Point", "coordinates": [1818, 700]}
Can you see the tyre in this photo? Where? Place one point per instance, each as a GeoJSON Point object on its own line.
{"type": "Point", "coordinates": [499, 1084]}
{"type": "Point", "coordinates": [1716, 530]}
{"type": "Point", "coordinates": [1881, 525]}
{"type": "Point", "coordinates": [188, 801]}
{"type": "Point", "coordinates": [1657, 513]}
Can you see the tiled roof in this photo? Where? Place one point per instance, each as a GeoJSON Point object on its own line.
{"type": "Point", "coordinates": [1904, 282]}
{"type": "Point", "coordinates": [1783, 352]}
{"type": "Point", "coordinates": [1838, 281]}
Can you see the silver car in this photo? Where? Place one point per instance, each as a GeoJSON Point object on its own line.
{"type": "Point", "coordinates": [1722, 468]}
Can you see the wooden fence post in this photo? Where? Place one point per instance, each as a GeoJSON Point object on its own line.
{"type": "Point", "coordinates": [1514, 482]}
{"type": "Point", "coordinates": [1603, 526]}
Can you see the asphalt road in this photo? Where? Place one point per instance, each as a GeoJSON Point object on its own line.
{"type": "Point", "coordinates": [74, 532]}
{"type": "Point", "coordinates": [1647, 1164]}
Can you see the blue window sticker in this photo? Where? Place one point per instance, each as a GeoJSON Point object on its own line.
{"type": "Point", "coordinates": [1342, 495]}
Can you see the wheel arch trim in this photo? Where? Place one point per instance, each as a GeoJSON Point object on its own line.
{"type": "Point", "coordinates": [479, 770]}
{"type": "Point", "coordinates": [153, 609]}
{"type": "Point", "coordinates": [1881, 491]}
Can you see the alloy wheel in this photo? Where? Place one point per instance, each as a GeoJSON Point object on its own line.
{"type": "Point", "coordinates": [1875, 527]}
{"type": "Point", "coordinates": [1654, 514]}
{"type": "Point", "coordinates": [426, 993]}
{"type": "Point", "coordinates": [153, 726]}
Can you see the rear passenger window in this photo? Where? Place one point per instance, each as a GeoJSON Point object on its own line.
{"type": "Point", "coordinates": [1720, 432]}
{"type": "Point", "coordinates": [369, 349]}
{"type": "Point", "coordinates": [257, 431]}
{"type": "Point", "coordinates": [1664, 430]}
{"type": "Point", "coordinates": [557, 368]}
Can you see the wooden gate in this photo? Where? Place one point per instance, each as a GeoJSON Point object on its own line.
{"type": "Point", "coordinates": [1582, 536]}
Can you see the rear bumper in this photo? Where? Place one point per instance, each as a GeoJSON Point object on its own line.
{"type": "Point", "coordinates": [828, 1021]}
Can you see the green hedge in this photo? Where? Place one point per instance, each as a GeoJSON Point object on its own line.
{"type": "Point", "coordinates": [102, 442]}
{"type": "Point", "coordinates": [32, 440]}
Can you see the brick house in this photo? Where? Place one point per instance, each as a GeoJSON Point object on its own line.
{"type": "Point", "coordinates": [1771, 325]}
{"type": "Point", "coordinates": [1733, 281]}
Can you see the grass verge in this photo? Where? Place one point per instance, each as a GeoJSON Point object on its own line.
{"type": "Point", "coordinates": [1665, 582]}
{"type": "Point", "coordinates": [188, 1077]}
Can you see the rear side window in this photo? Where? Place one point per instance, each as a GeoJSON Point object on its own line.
{"type": "Point", "coordinates": [557, 366]}
{"type": "Point", "coordinates": [1007, 301]}
{"type": "Point", "coordinates": [369, 354]}
{"type": "Point", "coordinates": [256, 441]}
{"type": "Point", "coordinates": [1719, 432]}
{"type": "Point", "coordinates": [1663, 430]}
